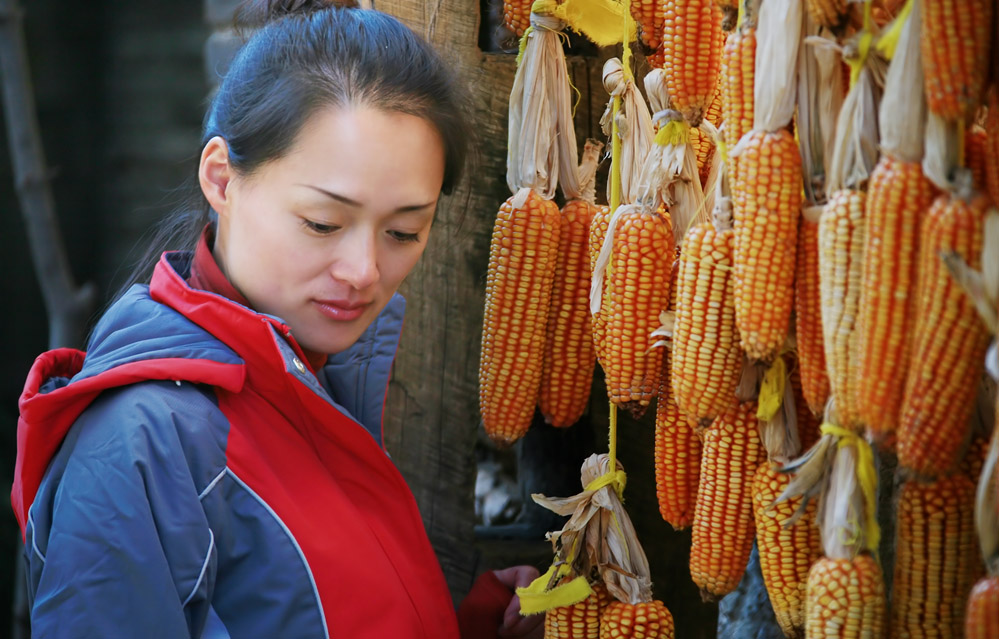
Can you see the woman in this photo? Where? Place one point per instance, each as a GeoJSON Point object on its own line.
{"type": "Point", "coordinates": [213, 465]}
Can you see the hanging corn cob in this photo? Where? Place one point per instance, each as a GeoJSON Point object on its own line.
{"type": "Point", "coordinates": [808, 313]}
{"type": "Point", "coordinates": [644, 620]}
{"type": "Point", "coordinates": [703, 144]}
{"type": "Point", "coordinates": [707, 360]}
{"type": "Point", "coordinates": [842, 231]}
{"type": "Point", "coordinates": [975, 141]}
{"type": "Point", "coordinates": [677, 459]}
{"type": "Point", "coordinates": [767, 190]}
{"type": "Point", "coordinates": [631, 278]}
{"type": "Point", "coordinates": [517, 15]}
{"type": "Point", "coordinates": [525, 238]}
{"type": "Point", "coordinates": [729, 12]}
{"type": "Point", "coordinates": [788, 542]}
{"type": "Point", "coordinates": [982, 617]}
{"type": "Point", "coordinates": [898, 195]}
{"type": "Point", "coordinates": [935, 559]}
{"type": "Point", "coordinates": [692, 43]}
{"type": "Point", "coordinates": [956, 47]}
{"type": "Point", "coordinates": [723, 530]}
{"type": "Point", "coordinates": [568, 365]}
{"type": "Point", "coordinates": [845, 594]}
{"type": "Point", "coordinates": [736, 82]}
{"type": "Point", "coordinates": [950, 341]}
{"type": "Point", "coordinates": [649, 16]}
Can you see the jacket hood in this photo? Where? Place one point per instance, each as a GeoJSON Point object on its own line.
{"type": "Point", "coordinates": [162, 331]}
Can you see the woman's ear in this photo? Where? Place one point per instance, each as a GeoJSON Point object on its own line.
{"type": "Point", "coordinates": [215, 174]}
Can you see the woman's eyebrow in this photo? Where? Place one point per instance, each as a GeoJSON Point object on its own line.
{"type": "Point", "coordinates": [409, 208]}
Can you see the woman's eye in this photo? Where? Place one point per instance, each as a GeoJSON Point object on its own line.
{"type": "Point", "coordinates": [399, 236]}
{"type": "Point", "coordinates": [322, 229]}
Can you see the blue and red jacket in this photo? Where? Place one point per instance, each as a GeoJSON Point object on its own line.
{"type": "Point", "coordinates": [190, 476]}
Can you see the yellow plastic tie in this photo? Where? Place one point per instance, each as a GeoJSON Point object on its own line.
{"type": "Point", "coordinates": [888, 41]}
{"type": "Point", "coordinates": [674, 132]}
{"type": "Point", "coordinates": [741, 18]}
{"type": "Point", "coordinates": [723, 148]}
{"type": "Point", "coordinates": [867, 477]}
{"type": "Point", "coordinates": [772, 390]}
{"type": "Point", "coordinates": [535, 598]}
{"type": "Point", "coordinates": [618, 479]}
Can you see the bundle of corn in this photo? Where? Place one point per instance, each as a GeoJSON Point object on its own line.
{"type": "Point", "coordinates": [845, 593]}
{"type": "Point", "coordinates": [767, 190]}
{"type": "Point", "coordinates": [522, 255]}
{"type": "Point", "coordinates": [677, 459]}
{"type": "Point", "coordinates": [723, 529]}
{"type": "Point", "coordinates": [982, 618]}
{"type": "Point", "coordinates": [898, 196]}
{"type": "Point", "coordinates": [949, 343]}
{"type": "Point", "coordinates": [567, 374]}
{"type": "Point", "coordinates": [707, 360]}
{"type": "Point", "coordinates": [842, 229]}
{"type": "Point", "coordinates": [631, 277]}
{"type": "Point", "coordinates": [935, 559]}
{"type": "Point", "coordinates": [956, 47]}
{"type": "Point", "coordinates": [600, 539]}
{"type": "Point", "coordinates": [692, 44]}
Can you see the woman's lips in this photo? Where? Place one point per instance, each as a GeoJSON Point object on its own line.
{"type": "Point", "coordinates": [341, 310]}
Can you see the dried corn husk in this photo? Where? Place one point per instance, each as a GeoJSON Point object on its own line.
{"type": "Point", "coordinates": [779, 33]}
{"type": "Point", "coordinates": [634, 127]}
{"type": "Point", "coordinates": [903, 107]}
{"type": "Point", "coordinates": [541, 141]}
{"type": "Point", "coordinates": [599, 535]}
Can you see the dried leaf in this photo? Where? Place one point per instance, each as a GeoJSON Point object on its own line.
{"type": "Point", "coordinates": [903, 108]}
{"type": "Point", "coordinates": [779, 32]}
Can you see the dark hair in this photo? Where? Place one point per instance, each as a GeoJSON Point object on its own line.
{"type": "Point", "coordinates": [307, 56]}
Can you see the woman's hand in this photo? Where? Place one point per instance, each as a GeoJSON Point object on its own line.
{"type": "Point", "coordinates": [516, 626]}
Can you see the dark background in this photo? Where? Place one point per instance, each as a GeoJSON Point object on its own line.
{"type": "Point", "coordinates": [120, 89]}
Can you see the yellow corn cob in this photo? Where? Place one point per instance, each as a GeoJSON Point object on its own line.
{"type": "Point", "coordinates": [647, 620]}
{"type": "Point", "coordinates": [707, 360]}
{"type": "Point", "coordinates": [704, 150]}
{"type": "Point", "coordinates": [808, 424]}
{"type": "Point", "coordinates": [955, 46]}
{"type": "Point", "coordinates": [692, 41]}
{"type": "Point", "coordinates": [982, 619]}
{"type": "Point", "coordinates": [845, 599]}
{"type": "Point", "coordinates": [598, 231]}
{"type": "Point", "coordinates": [827, 13]}
{"type": "Point", "coordinates": [974, 155]}
{"type": "Point", "coordinates": [517, 15]}
{"type": "Point", "coordinates": [738, 75]}
{"type": "Point", "coordinates": [677, 459]}
{"type": "Point", "coordinates": [841, 254]}
{"type": "Point", "coordinates": [518, 289]}
{"type": "Point", "coordinates": [714, 112]}
{"type": "Point", "coordinates": [649, 16]}
{"type": "Point", "coordinates": [808, 318]}
{"type": "Point", "coordinates": [767, 205]}
{"type": "Point", "coordinates": [730, 13]}
{"type": "Point", "coordinates": [723, 530]}
{"type": "Point", "coordinates": [992, 147]}
{"type": "Point", "coordinates": [568, 369]}
{"type": "Point", "coordinates": [786, 552]}
{"type": "Point", "coordinates": [578, 621]}
{"type": "Point", "coordinates": [636, 291]}
{"type": "Point", "coordinates": [936, 557]}
{"type": "Point", "coordinates": [949, 342]}
{"type": "Point", "coordinates": [897, 198]}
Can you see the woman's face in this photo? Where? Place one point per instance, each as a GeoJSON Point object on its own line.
{"type": "Point", "coordinates": [323, 236]}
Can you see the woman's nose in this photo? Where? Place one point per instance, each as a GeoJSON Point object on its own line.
{"type": "Point", "coordinates": [356, 263]}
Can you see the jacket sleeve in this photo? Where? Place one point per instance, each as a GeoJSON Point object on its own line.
{"type": "Point", "coordinates": [117, 542]}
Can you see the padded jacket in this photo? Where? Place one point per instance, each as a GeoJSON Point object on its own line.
{"type": "Point", "coordinates": [189, 476]}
